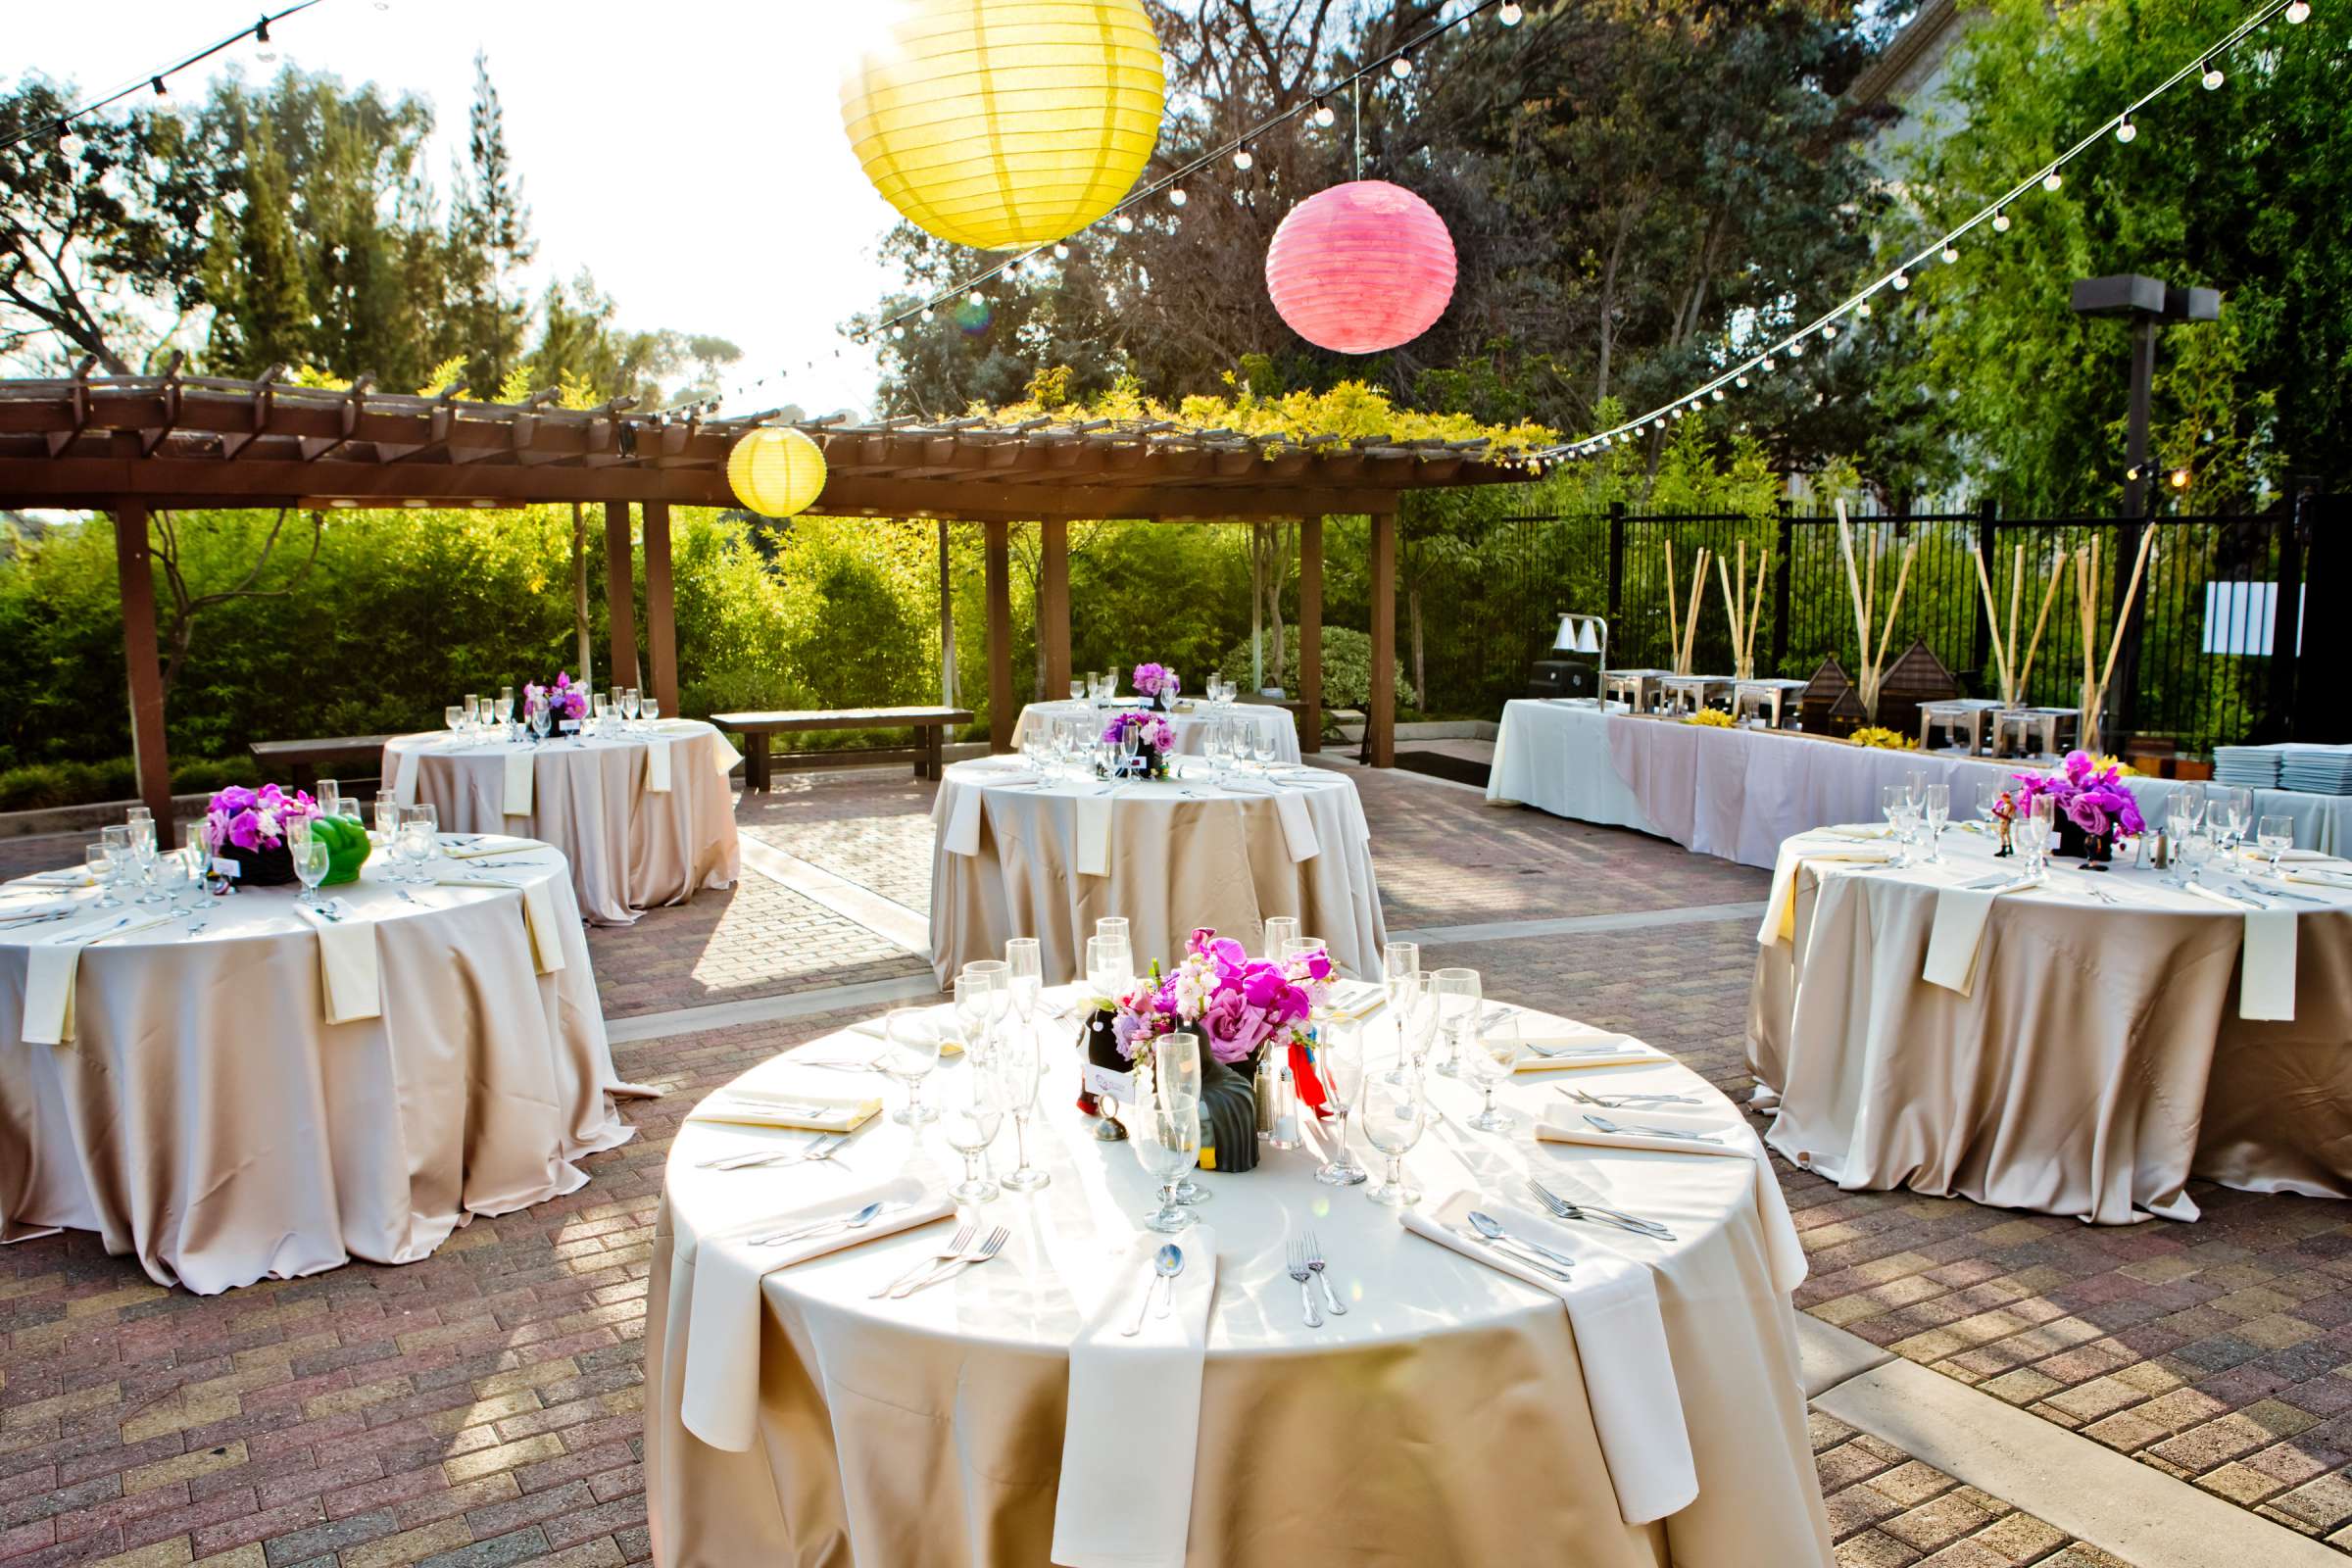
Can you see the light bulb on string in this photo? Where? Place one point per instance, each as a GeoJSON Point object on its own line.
{"type": "Point", "coordinates": [1401, 67]}
{"type": "Point", "coordinates": [1797, 348]}
{"type": "Point", "coordinates": [2000, 221]}
{"type": "Point", "coordinates": [1717, 394]}
{"type": "Point", "coordinates": [1829, 330]}
{"type": "Point", "coordinates": [1511, 14]}
{"type": "Point", "coordinates": [1951, 253]}
{"type": "Point", "coordinates": [1324, 116]}
{"type": "Point", "coordinates": [2213, 75]}
{"type": "Point", "coordinates": [1740, 381]}
{"type": "Point", "coordinates": [1863, 310]}
{"type": "Point", "coordinates": [1765, 364]}
{"type": "Point", "coordinates": [2052, 180]}
{"type": "Point", "coordinates": [2125, 131]}
{"type": "Point", "coordinates": [1242, 158]}
{"type": "Point", "coordinates": [1901, 281]}
{"type": "Point", "coordinates": [2298, 12]}
{"type": "Point", "coordinates": [978, 300]}
{"type": "Point", "coordinates": [1177, 197]}
{"type": "Point", "coordinates": [929, 314]}
{"type": "Point", "coordinates": [1124, 224]}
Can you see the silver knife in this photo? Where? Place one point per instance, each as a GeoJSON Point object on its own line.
{"type": "Point", "coordinates": [1517, 1257]}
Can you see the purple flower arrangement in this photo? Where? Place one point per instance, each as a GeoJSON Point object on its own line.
{"type": "Point", "coordinates": [1241, 1006]}
{"type": "Point", "coordinates": [255, 819]}
{"type": "Point", "coordinates": [1157, 733]}
{"type": "Point", "coordinates": [564, 699]}
{"type": "Point", "coordinates": [2094, 799]}
{"type": "Point", "coordinates": [1159, 681]}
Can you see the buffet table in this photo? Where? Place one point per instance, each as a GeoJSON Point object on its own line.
{"type": "Point", "coordinates": [640, 829]}
{"type": "Point", "coordinates": [188, 1095]}
{"type": "Point", "coordinates": [1453, 1415]}
{"type": "Point", "coordinates": [1018, 854]}
{"type": "Point", "coordinates": [1188, 721]}
{"type": "Point", "coordinates": [1738, 792]}
{"type": "Point", "coordinates": [2103, 1038]}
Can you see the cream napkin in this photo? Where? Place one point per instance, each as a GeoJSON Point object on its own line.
{"type": "Point", "coordinates": [2265, 985]}
{"type": "Point", "coordinates": [657, 768]}
{"type": "Point", "coordinates": [1102, 1517]}
{"type": "Point", "coordinates": [963, 821]}
{"type": "Point", "coordinates": [1297, 823]}
{"type": "Point", "coordinates": [492, 847]}
{"type": "Point", "coordinates": [349, 981]}
{"type": "Point", "coordinates": [1627, 1052]}
{"type": "Point", "coordinates": [1090, 819]}
{"type": "Point", "coordinates": [1620, 1342]}
{"type": "Point", "coordinates": [952, 1045]}
{"type": "Point", "coordinates": [1780, 905]}
{"type": "Point", "coordinates": [538, 912]}
{"type": "Point", "coordinates": [1958, 934]}
{"type": "Point", "coordinates": [50, 966]}
{"type": "Point", "coordinates": [2319, 877]}
{"type": "Point", "coordinates": [26, 904]}
{"type": "Point", "coordinates": [740, 1105]}
{"type": "Point", "coordinates": [719, 1392]}
{"type": "Point", "coordinates": [519, 764]}
{"type": "Point", "coordinates": [72, 876]}
{"type": "Point", "coordinates": [1782, 1248]}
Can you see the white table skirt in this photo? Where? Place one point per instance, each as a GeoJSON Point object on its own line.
{"type": "Point", "coordinates": [208, 1120]}
{"type": "Point", "coordinates": [1190, 725]}
{"type": "Point", "coordinates": [631, 849]}
{"type": "Point", "coordinates": [1176, 860]}
{"type": "Point", "coordinates": [1737, 793]}
{"type": "Point", "coordinates": [1443, 1420]}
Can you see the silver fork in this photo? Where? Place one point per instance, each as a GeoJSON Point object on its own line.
{"type": "Point", "coordinates": [1297, 1269]}
{"type": "Point", "coordinates": [1314, 1263]}
{"type": "Point", "coordinates": [958, 1264]}
{"type": "Point", "coordinates": [1593, 1213]}
{"type": "Point", "coordinates": [956, 1246]}
{"type": "Point", "coordinates": [1625, 1102]}
{"type": "Point", "coordinates": [824, 1148]}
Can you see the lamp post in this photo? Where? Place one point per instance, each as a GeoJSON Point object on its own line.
{"type": "Point", "coordinates": [2149, 303]}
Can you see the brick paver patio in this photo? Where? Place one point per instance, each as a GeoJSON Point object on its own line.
{"type": "Point", "coordinates": [481, 1408]}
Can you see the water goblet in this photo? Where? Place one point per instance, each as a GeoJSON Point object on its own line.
{"type": "Point", "coordinates": [1457, 994]}
{"type": "Point", "coordinates": [454, 716]}
{"type": "Point", "coordinates": [537, 716]}
{"type": "Point", "coordinates": [2038, 822]}
{"type": "Point", "coordinates": [1263, 743]}
{"type": "Point", "coordinates": [971, 1109]}
{"type": "Point", "coordinates": [1340, 1063]}
{"type": "Point", "coordinates": [651, 708]}
{"type": "Point", "coordinates": [1167, 1145]}
{"type": "Point", "coordinates": [1395, 1116]}
{"type": "Point", "coordinates": [2183, 816]}
{"type": "Point", "coordinates": [983, 997]}
{"type": "Point", "coordinates": [1077, 691]}
{"type": "Point", "coordinates": [1176, 1063]}
{"type": "Point", "coordinates": [2236, 807]}
{"type": "Point", "coordinates": [2276, 835]}
{"type": "Point", "coordinates": [910, 1052]}
{"type": "Point", "coordinates": [633, 702]}
{"type": "Point", "coordinates": [2195, 852]}
{"type": "Point", "coordinates": [310, 860]}
{"type": "Point", "coordinates": [1493, 1057]}
{"type": "Point", "coordinates": [600, 707]}
{"type": "Point", "coordinates": [1896, 801]}
{"type": "Point", "coordinates": [420, 835]}
{"type": "Point", "coordinates": [143, 858]}
{"type": "Point", "coordinates": [101, 866]}
{"type": "Point", "coordinates": [502, 710]}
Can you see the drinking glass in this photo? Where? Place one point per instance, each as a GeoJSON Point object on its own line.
{"type": "Point", "coordinates": [1399, 959]}
{"type": "Point", "coordinates": [501, 708]}
{"type": "Point", "coordinates": [971, 1109]}
{"type": "Point", "coordinates": [142, 854]}
{"type": "Point", "coordinates": [1167, 1145]}
{"type": "Point", "coordinates": [2195, 852]}
{"type": "Point", "coordinates": [1262, 745]}
{"type": "Point", "coordinates": [454, 716]}
{"type": "Point", "coordinates": [1340, 1063]}
{"type": "Point", "coordinates": [1077, 691]}
{"type": "Point", "coordinates": [387, 815]}
{"type": "Point", "coordinates": [649, 708]}
{"type": "Point", "coordinates": [2183, 816]}
{"type": "Point", "coordinates": [1493, 1054]}
{"type": "Point", "coordinates": [1176, 1063]}
{"type": "Point", "coordinates": [633, 702]}
{"type": "Point", "coordinates": [1114, 925]}
{"type": "Point", "coordinates": [1280, 929]}
{"type": "Point", "coordinates": [122, 856]}
{"type": "Point", "coordinates": [310, 860]}
{"type": "Point", "coordinates": [470, 705]}
{"type": "Point", "coordinates": [1018, 1062]}
{"type": "Point", "coordinates": [485, 711]}
{"type": "Point", "coordinates": [1395, 1114]}
{"type": "Point", "coordinates": [2040, 820]}
{"type": "Point", "coordinates": [983, 995]}
{"type": "Point", "coordinates": [419, 834]}
{"type": "Point", "coordinates": [2236, 808]}
{"type": "Point", "coordinates": [1915, 781]}
{"type": "Point", "coordinates": [600, 707]}
{"type": "Point", "coordinates": [1989, 800]}
{"type": "Point", "coordinates": [1110, 966]}
{"type": "Point", "coordinates": [909, 1051]}
{"type": "Point", "coordinates": [101, 866]}
{"type": "Point", "coordinates": [1025, 965]}
{"type": "Point", "coordinates": [1295, 948]}
{"type": "Point", "coordinates": [1456, 991]}
{"type": "Point", "coordinates": [1894, 800]}
{"type": "Point", "coordinates": [1935, 807]}
{"type": "Point", "coordinates": [2277, 834]}
{"type": "Point", "coordinates": [190, 875]}
{"type": "Point", "coordinates": [536, 712]}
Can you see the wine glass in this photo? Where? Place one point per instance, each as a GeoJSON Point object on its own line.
{"type": "Point", "coordinates": [1263, 745]}
{"type": "Point", "coordinates": [1018, 1062]}
{"type": "Point", "coordinates": [2236, 813]}
{"type": "Point", "coordinates": [600, 709]}
{"type": "Point", "coordinates": [1896, 801]}
{"type": "Point", "coordinates": [1340, 1063]}
{"type": "Point", "coordinates": [2183, 816]}
{"type": "Point", "coordinates": [983, 995]}
{"type": "Point", "coordinates": [1280, 929]}
{"type": "Point", "coordinates": [454, 716]}
{"type": "Point", "coordinates": [502, 710]}
{"type": "Point", "coordinates": [1935, 807]}
{"type": "Point", "coordinates": [142, 854]}
{"type": "Point", "coordinates": [1167, 1145]}
{"type": "Point", "coordinates": [1457, 994]}
{"type": "Point", "coordinates": [633, 702]}
{"type": "Point", "coordinates": [1395, 1109]}
{"type": "Point", "coordinates": [535, 712]}
{"type": "Point", "coordinates": [419, 834]}
{"type": "Point", "coordinates": [1989, 801]}
{"type": "Point", "coordinates": [100, 864]}
{"type": "Point", "coordinates": [2277, 834]}
{"type": "Point", "coordinates": [909, 1051]}
{"type": "Point", "coordinates": [1026, 966]}
{"type": "Point", "coordinates": [1493, 1057]}
{"type": "Point", "coordinates": [2194, 852]}
{"type": "Point", "coordinates": [2040, 819]}
{"type": "Point", "coordinates": [485, 711]}
{"type": "Point", "coordinates": [971, 1109]}
{"type": "Point", "coordinates": [1176, 1068]}
{"type": "Point", "coordinates": [310, 856]}
{"type": "Point", "coordinates": [649, 708]}
{"type": "Point", "coordinates": [387, 815]}
{"type": "Point", "coordinates": [191, 874]}
{"type": "Point", "coordinates": [1077, 691]}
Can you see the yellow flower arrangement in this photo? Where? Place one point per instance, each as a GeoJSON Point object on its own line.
{"type": "Point", "coordinates": [1884, 739]}
{"type": "Point", "coordinates": [1711, 717]}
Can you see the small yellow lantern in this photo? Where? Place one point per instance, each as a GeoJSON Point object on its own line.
{"type": "Point", "coordinates": [776, 471]}
{"type": "Point", "coordinates": [1000, 123]}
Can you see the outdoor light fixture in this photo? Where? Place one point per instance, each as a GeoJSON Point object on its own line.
{"type": "Point", "coordinates": [1509, 15]}
{"type": "Point", "coordinates": [1177, 197]}
{"type": "Point", "coordinates": [1062, 253]}
{"type": "Point", "coordinates": [1324, 116]}
{"type": "Point", "coordinates": [2213, 75]}
{"type": "Point", "coordinates": [1242, 158]}
{"type": "Point", "coordinates": [1901, 281]}
{"type": "Point", "coordinates": [2052, 180]}
{"type": "Point", "coordinates": [2125, 131]}
{"type": "Point", "coordinates": [2000, 221]}
{"type": "Point", "coordinates": [1401, 67]}
{"type": "Point", "coordinates": [1125, 225]}
{"type": "Point", "coordinates": [2180, 477]}
{"type": "Point", "coordinates": [1951, 254]}
{"type": "Point", "coordinates": [2298, 11]}
{"type": "Point", "coordinates": [1863, 310]}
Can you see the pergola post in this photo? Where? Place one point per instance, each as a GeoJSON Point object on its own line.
{"type": "Point", "coordinates": [135, 586]}
{"type": "Point", "coordinates": [660, 607]}
{"type": "Point", "coordinates": [1380, 723]}
{"type": "Point", "coordinates": [999, 557]}
{"type": "Point", "coordinates": [1310, 634]}
{"type": "Point", "coordinates": [621, 596]}
{"type": "Point", "coordinates": [1054, 603]}
{"type": "Point", "coordinates": [947, 623]}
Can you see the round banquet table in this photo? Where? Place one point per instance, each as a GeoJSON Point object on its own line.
{"type": "Point", "coordinates": [1016, 856]}
{"type": "Point", "coordinates": [631, 846]}
{"type": "Point", "coordinates": [2102, 1053]}
{"type": "Point", "coordinates": [1444, 1419]}
{"type": "Point", "coordinates": [1190, 722]}
{"type": "Point", "coordinates": [203, 1116]}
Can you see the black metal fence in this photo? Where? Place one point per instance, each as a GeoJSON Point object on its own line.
{"type": "Point", "coordinates": [2230, 609]}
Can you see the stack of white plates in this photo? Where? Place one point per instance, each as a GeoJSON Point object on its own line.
{"type": "Point", "coordinates": [2246, 767]}
{"type": "Point", "coordinates": [2317, 770]}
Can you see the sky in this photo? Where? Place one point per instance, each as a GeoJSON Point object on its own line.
{"type": "Point", "coordinates": [689, 155]}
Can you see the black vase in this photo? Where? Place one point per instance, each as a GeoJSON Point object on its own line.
{"type": "Point", "coordinates": [271, 866]}
{"type": "Point", "coordinates": [2072, 840]}
{"type": "Point", "coordinates": [1228, 1118]}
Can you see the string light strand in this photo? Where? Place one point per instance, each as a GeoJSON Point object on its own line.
{"type": "Point", "coordinates": [155, 80]}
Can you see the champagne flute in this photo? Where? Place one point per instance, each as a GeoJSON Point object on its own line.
{"type": "Point", "coordinates": [909, 1051]}
{"type": "Point", "coordinates": [1026, 966]}
{"type": "Point", "coordinates": [1936, 806]}
{"type": "Point", "coordinates": [142, 854]}
{"type": "Point", "coordinates": [1340, 1063]}
{"type": "Point", "coordinates": [971, 1109]}
{"type": "Point", "coordinates": [1176, 1070]}
{"type": "Point", "coordinates": [1018, 1064]}
{"type": "Point", "coordinates": [1457, 994]}
{"type": "Point", "coordinates": [983, 991]}
{"type": "Point", "coordinates": [1167, 1145]}
{"type": "Point", "coordinates": [1493, 1055]}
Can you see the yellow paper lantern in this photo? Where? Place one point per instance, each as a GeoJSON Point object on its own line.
{"type": "Point", "coordinates": [999, 123]}
{"type": "Point", "coordinates": [776, 472]}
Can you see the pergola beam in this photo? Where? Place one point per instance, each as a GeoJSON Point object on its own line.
{"type": "Point", "coordinates": [134, 578]}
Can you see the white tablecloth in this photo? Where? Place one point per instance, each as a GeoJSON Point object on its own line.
{"type": "Point", "coordinates": [1443, 1420]}
{"type": "Point", "coordinates": [206, 1119]}
{"type": "Point", "coordinates": [1738, 792]}
{"type": "Point", "coordinates": [1187, 722]}
{"type": "Point", "coordinates": [2100, 1054]}
{"type": "Point", "coordinates": [1011, 859]}
{"type": "Point", "coordinates": [631, 848]}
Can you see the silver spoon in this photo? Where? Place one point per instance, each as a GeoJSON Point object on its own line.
{"type": "Point", "coordinates": [855, 1222]}
{"type": "Point", "coordinates": [1166, 1264]}
{"type": "Point", "coordinates": [1485, 1225]}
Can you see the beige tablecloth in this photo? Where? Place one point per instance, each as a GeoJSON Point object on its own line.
{"type": "Point", "coordinates": [1190, 724]}
{"type": "Point", "coordinates": [2098, 1061]}
{"type": "Point", "coordinates": [631, 849]}
{"type": "Point", "coordinates": [208, 1120]}
{"type": "Point", "coordinates": [1181, 854]}
{"type": "Point", "coordinates": [1443, 1420]}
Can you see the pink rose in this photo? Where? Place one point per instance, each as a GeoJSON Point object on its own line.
{"type": "Point", "coordinates": [1234, 1028]}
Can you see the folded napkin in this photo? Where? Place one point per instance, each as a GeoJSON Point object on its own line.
{"type": "Point", "coordinates": [2319, 878]}
{"type": "Point", "coordinates": [1357, 999]}
{"type": "Point", "coordinates": [538, 912]}
{"type": "Point", "coordinates": [50, 964]}
{"type": "Point", "coordinates": [719, 1392]}
{"type": "Point", "coordinates": [1620, 1342]}
{"type": "Point", "coordinates": [1780, 905]}
{"type": "Point", "coordinates": [657, 768]}
{"type": "Point", "coordinates": [1297, 824]}
{"type": "Point", "coordinates": [1607, 1051]}
{"type": "Point", "coordinates": [489, 848]}
{"type": "Point", "coordinates": [1102, 1517]}
{"type": "Point", "coordinates": [962, 836]}
{"type": "Point", "coordinates": [741, 1106]}
{"type": "Point", "coordinates": [1090, 829]}
{"type": "Point", "coordinates": [72, 876]}
{"type": "Point", "coordinates": [520, 766]}
{"type": "Point", "coordinates": [347, 964]}
{"type": "Point", "coordinates": [2286, 857]}
{"type": "Point", "coordinates": [2266, 982]}
{"type": "Point", "coordinates": [25, 903]}
{"type": "Point", "coordinates": [1958, 934]}
{"type": "Point", "coordinates": [1782, 1249]}
{"type": "Point", "coordinates": [951, 1044]}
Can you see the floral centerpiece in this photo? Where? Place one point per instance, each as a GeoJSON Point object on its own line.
{"type": "Point", "coordinates": [249, 826]}
{"type": "Point", "coordinates": [1884, 740]}
{"type": "Point", "coordinates": [2089, 800]}
{"type": "Point", "coordinates": [563, 700]}
{"type": "Point", "coordinates": [1154, 740]}
{"type": "Point", "coordinates": [1159, 683]}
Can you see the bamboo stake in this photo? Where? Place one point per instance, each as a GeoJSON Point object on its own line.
{"type": "Point", "coordinates": [1755, 613]}
{"type": "Point", "coordinates": [1730, 606]}
{"type": "Point", "coordinates": [1895, 608]}
{"type": "Point", "coordinates": [1853, 580]}
{"type": "Point", "coordinates": [1699, 589]}
{"type": "Point", "coordinates": [2123, 612]}
{"type": "Point", "coordinates": [1673, 622]}
{"type": "Point", "coordinates": [2017, 590]}
{"type": "Point", "coordinates": [2025, 674]}
{"type": "Point", "coordinates": [1992, 613]}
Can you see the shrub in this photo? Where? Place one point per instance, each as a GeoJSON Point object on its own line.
{"type": "Point", "coordinates": [1346, 666]}
{"type": "Point", "coordinates": [42, 786]}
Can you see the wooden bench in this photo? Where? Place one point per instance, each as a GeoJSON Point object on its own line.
{"type": "Point", "coordinates": [929, 724]}
{"type": "Point", "coordinates": [302, 760]}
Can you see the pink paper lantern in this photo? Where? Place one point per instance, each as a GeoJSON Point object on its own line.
{"type": "Point", "coordinates": [1361, 267]}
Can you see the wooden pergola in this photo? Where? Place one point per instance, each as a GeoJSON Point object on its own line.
{"type": "Point", "coordinates": [128, 446]}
